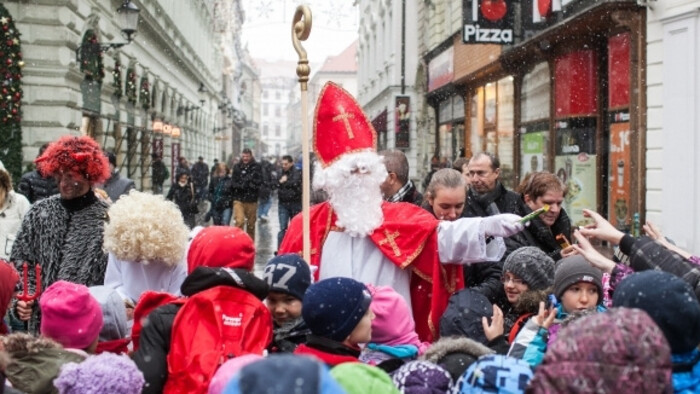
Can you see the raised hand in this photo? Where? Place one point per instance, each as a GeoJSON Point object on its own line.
{"type": "Point", "coordinates": [601, 228]}
{"type": "Point", "coordinates": [593, 256]}
{"type": "Point", "coordinates": [545, 318]}
{"type": "Point", "coordinates": [495, 329]}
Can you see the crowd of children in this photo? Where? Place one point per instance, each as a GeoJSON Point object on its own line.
{"type": "Point", "coordinates": [183, 312]}
{"type": "Point", "coordinates": [582, 324]}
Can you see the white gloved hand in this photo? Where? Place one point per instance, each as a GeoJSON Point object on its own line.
{"type": "Point", "coordinates": [502, 225]}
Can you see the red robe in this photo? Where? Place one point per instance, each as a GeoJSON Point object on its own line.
{"type": "Point", "coordinates": [407, 238]}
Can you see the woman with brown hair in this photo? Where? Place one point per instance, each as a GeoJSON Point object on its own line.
{"type": "Point", "coordinates": [536, 190]}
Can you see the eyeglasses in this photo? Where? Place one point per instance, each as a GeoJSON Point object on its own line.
{"type": "Point", "coordinates": [516, 281]}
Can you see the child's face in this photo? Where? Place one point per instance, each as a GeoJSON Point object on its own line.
{"type": "Point", "coordinates": [284, 307]}
{"type": "Point", "coordinates": [363, 330]}
{"type": "Point", "coordinates": [513, 286]}
{"type": "Point", "coordinates": [580, 296]}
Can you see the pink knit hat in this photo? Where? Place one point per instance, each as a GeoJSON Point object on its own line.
{"type": "Point", "coordinates": [393, 324]}
{"type": "Point", "coordinates": [70, 315]}
{"type": "Point", "coordinates": [226, 371]}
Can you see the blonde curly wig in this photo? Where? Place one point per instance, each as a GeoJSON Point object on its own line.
{"type": "Point", "coordinates": [145, 228]}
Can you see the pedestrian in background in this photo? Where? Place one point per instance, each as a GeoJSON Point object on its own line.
{"type": "Point", "coordinates": [220, 196]}
{"type": "Point", "coordinates": [246, 181]}
{"type": "Point", "coordinates": [116, 186]}
{"type": "Point", "coordinates": [159, 173]}
{"type": "Point", "coordinates": [265, 194]}
{"type": "Point", "coordinates": [13, 207]}
{"type": "Point", "coordinates": [182, 194]}
{"type": "Point", "coordinates": [288, 194]}
{"type": "Point", "coordinates": [36, 187]}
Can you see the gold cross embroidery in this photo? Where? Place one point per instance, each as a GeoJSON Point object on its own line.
{"type": "Point", "coordinates": [390, 237]}
{"type": "Point", "coordinates": [344, 116]}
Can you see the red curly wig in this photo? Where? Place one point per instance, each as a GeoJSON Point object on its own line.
{"type": "Point", "coordinates": [80, 155]}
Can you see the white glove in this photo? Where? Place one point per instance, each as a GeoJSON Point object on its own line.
{"type": "Point", "coordinates": [502, 225]}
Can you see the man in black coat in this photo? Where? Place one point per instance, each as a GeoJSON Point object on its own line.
{"type": "Point", "coordinates": [246, 181]}
{"type": "Point", "coordinates": [486, 197]}
{"type": "Point", "coordinates": [397, 187]}
{"type": "Point", "coordinates": [289, 195]}
{"type": "Point", "coordinates": [36, 187]}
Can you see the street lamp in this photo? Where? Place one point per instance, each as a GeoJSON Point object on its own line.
{"type": "Point", "coordinates": [129, 20]}
{"type": "Point", "coordinates": [202, 93]}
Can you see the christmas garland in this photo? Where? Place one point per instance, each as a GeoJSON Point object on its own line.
{"type": "Point", "coordinates": [117, 78]}
{"type": "Point", "coordinates": [145, 94]}
{"type": "Point", "coordinates": [91, 58]}
{"type": "Point", "coordinates": [130, 88]}
{"type": "Point", "coordinates": [11, 101]}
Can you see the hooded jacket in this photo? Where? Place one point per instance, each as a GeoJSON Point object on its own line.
{"type": "Point", "coordinates": [35, 362]}
{"type": "Point", "coordinates": [154, 342]}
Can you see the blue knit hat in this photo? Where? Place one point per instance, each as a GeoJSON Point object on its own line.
{"type": "Point", "coordinates": [669, 301]}
{"type": "Point", "coordinates": [334, 306]}
{"type": "Point", "coordinates": [284, 373]}
{"type": "Point", "coordinates": [289, 274]}
{"type": "Point", "coordinates": [495, 373]}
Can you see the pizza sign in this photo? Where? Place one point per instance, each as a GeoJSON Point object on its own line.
{"type": "Point", "coordinates": [488, 22]}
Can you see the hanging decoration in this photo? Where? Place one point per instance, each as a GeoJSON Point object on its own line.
{"type": "Point", "coordinates": [91, 58]}
{"type": "Point", "coordinates": [130, 88]}
{"type": "Point", "coordinates": [145, 93]}
{"type": "Point", "coordinates": [11, 65]}
{"type": "Point", "coordinates": [117, 78]}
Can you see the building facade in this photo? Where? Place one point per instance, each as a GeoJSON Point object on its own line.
{"type": "Point", "coordinates": [277, 81]}
{"type": "Point", "coordinates": [157, 95]}
{"type": "Point", "coordinates": [388, 62]}
{"type": "Point", "coordinates": [673, 120]}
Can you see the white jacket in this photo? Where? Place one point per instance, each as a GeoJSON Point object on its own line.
{"type": "Point", "coordinates": [131, 279]}
{"type": "Point", "coordinates": [11, 216]}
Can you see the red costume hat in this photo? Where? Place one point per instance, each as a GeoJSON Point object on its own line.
{"type": "Point", "coordinates": [80, 155]}
{"type": "Point", "coordinates": [340, 126]}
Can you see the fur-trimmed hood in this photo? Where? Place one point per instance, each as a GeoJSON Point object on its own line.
{"type": "Point", "coordinates": [529, 301]}
{"type": "Point", "coordinates": [447, 345]}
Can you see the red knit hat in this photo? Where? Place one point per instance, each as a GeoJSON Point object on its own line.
{"type": "Point", "coordinates": [221, 246]}
{"type": "Point", "coordinates": [81, 155]}
{"type": "Point", "coordinates": [340, 126]}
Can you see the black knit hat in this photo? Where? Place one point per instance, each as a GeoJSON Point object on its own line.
{"type": "Point", "coordinates": [333, 307]}
{"type": "Point", "coordinates": [669, 301]}
{"type": "Point", "coordinates": [574, 269]}
{"type": "Point", "coordinates": [531, 265]}
{"type": "Point", "coordinates": [289, 274]}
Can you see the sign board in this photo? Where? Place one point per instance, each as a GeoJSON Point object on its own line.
{"type": "Point", "coordinates": [488, 22]}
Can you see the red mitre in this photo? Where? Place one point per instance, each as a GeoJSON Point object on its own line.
{"type": "Point", "coordinates": [340, 126]}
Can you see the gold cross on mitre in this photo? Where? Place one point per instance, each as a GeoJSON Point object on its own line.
{"type": "Point", "coordinates": [344, 116]}
{"type": "Point", "coordinates": [390, 237]}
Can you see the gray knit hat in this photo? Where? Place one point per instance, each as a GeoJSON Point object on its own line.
{"type": "Point", "coordinates": [531, 265]}
{"type": "Point", "coordinates": [574, 269]}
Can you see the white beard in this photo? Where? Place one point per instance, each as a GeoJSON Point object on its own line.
{"type": "Point", "coordinates": [352, 184]}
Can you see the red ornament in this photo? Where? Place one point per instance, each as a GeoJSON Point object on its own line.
{"type": "Point", "coordinates": [9, 62]}
{"type": "Point", "coordinates": [4, 91]}
{"type": "Point", "coordinates": [9, 43]}
{"type": "Point", "coordinates": [493, 10]}
{"type": "Point", "coordinates": [19, 55]}
{"type": "Point", "coordinates": [5, 27]}
{"type": "Point", "coordinates": [14, 111]}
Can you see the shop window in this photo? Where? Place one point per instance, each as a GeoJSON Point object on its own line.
{"type": "Point", "coordinates": [535, 112]}
{"type": "Point", "coordinates": [492, 124]}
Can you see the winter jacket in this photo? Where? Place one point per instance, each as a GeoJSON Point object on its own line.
{"type": "Point", "coordinates": [330, 352]}
{"type": "Point", "coordinates": [11, 216]}
{"type": "Point", "coordinates": [531, 343]}
{"type": "Point", "coordinates": [268, 180]}
{"type": "Point", "coordinates": [36, 362]}
{"type": "Point", "coordinates": [646, 254]}
{"type": "Point", "coordinates": [289, 192]}
{"type": "Point", "coordinates": [116, 186]}
{"type": "Point", "coordinates": [35, 187]}
{"type": "Point", "coordinates": [500, 200]}
{"type": "Point", "coordinates": [412, 195]}
{"type": "Point", "coordinates": [154, 341]}
{"type": "Point", "coordinates": [220, 192]}
{"type": "Point", "coordinates": [286, 339]}
{"type": "Point", "coordinates": [200, 175]}
{"type": "Point", "coordinates": [65, 238]}
{"type": "Point", "coordinates": [184, 198]}
{"type": "Point", "coordinates": [540, 235]}
{"type": "Point", "coordinates": [246, 181]}
{"type": "Point", "coordinates": [131, 279]}
{"type": "Point", "coordinates": [686, 372]}
{"type": "Point", "coordinates": [159, 172]}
